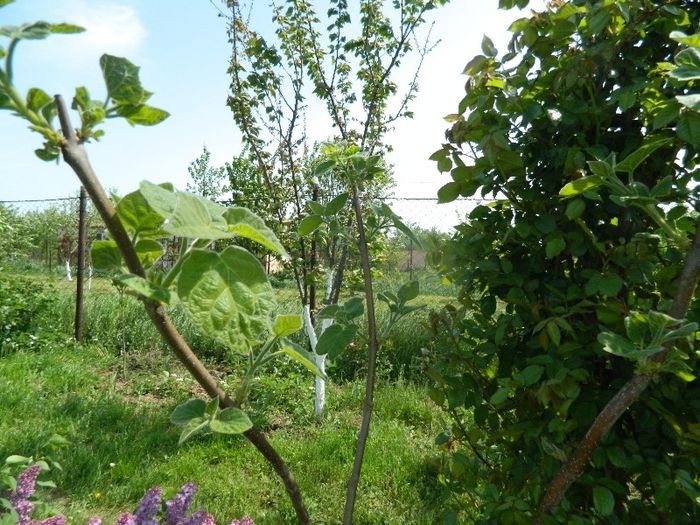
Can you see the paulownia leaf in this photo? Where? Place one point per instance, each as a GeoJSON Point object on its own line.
{"type": "Point", "coordinates": [142, 115]}
{"type": "Point", "coordinates": [286, 325]}
{"type": "Point", "coordinates": [231, 421]}
{"type": "Point", "coordinates": [310, 224]}
{"type": "Point", "coordinates": [245, 223]}
{"type": "Point", "coordinates": [227, 295]}
{"type": "Point", "coordinates": [106, 256]}
{"type": "Point", "coordinates": [189, 410]}
{"type": "Point", "coordinates": [335, 339]}
{"type": "Point", "coordinates": [303, 356]}
{"type": "Point", "coordinates": [122, 81]}
{"type": "Point", "coordinates": [192, 428]}
{"type": "Point", "coordinates": [139, 217]}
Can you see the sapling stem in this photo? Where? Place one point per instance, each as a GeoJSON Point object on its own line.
{"type": "Point", "coordinates": [367, 406]}
{"type": "Point", "coordinates": [76, 157]}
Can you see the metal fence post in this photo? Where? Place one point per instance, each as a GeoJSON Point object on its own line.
{"type": "Point", "coordinates": [81, 267]}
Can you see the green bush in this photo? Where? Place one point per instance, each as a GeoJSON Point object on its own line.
{"type": "Point", "coordinates": [22, 301]}
{"type": "Point", "coordinates": [587, 140]}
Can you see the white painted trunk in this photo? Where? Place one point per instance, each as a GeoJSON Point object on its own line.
{"type": "Point", "coordinates": [69, 276]}
{"type": "Point", "coordinates": [320, 384]}
{"type": "Point", "coordinates": [90, 277]}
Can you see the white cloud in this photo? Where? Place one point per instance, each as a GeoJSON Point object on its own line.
{"type": "Point", "coordinates": [112, 27]}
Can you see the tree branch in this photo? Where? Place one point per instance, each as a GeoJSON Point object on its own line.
{"type": "Point", "coordinates": [76, 157]}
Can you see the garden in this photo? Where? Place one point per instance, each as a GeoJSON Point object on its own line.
{"type": "Point", "coordinates": [274, 343]}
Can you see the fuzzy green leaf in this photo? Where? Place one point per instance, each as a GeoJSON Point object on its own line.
{"type": "Point", "coordinates": [302, 356]}
{"type": "Point", "coordinates": [122, 81]}
{"type": "Point", "coordinates": [310, 224]}
{"type": "Point", "coordinates": [335, 339]}
{"type": "Point", "coordinates": [227, 295]}
{"type": "Point", "coordinates": [244, 223]}
{"type": "Point", "coordinates": [106, 256]}
{"type": "Point", "coordinates": [286, 325]}
{"type": "Point", "coordinates": [231, 421]}
{"type": "Point", "coordinates": [187, 411]}
{"type": "Point", "coordinates": [580, 186]}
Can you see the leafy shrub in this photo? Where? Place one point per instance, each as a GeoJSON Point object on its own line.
{"type": "Point", "coordinates": [22, 300]}
{"type": "Point", "coordinates": [578, 248]}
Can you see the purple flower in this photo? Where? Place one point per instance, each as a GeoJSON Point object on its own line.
{"type": "Point", "coordinates": [245, 520]}
{"type": "Point", "coordinates": [26, 482]}
{"type": "Point", "coordinates": [95, 521]}
{"type": "Point", "coordinates": [126, 519]}
{"type": "Point", "coordinates": [176, 508]}
{"type": "Point", "coordinates": [149, 507]}
{"type": "Point", "coordinates": [24, 508]}
{"type": "Point", "coordinates": [201, 517]}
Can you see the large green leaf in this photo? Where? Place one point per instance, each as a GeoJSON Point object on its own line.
{"type": "Point", "coordinates": [688, 62]}
{"type": "Point", "coordinates": [139, 217]}
{"type": "Point", "coordinates": [409, 291]}
{"type": "Point", "coordinates": [106, 256]}
{"type": "Point", "coordinates": [187, 411]}
{"type": "Point", "coordinates": [336, 204]}
{"type": "Point", "coordinates": [122, 81]}
{"type": "Point", "coordinates": [191, 219]}
{"type": "Point", "coordinates": [634, 159]}
{"type": "Point", "coordinates": [286, 325]}
{"type": "Point", "coordinates": [143, 115]}
{"type": "Point", "coordinates": [688, 127]}
{"type": "Point", "coordinates": [335, 339]}
{"type": "Point", "coordinates": [193, 427]}
{"type": "Point", "coordinates": [231, 421]}
{"type": "Point", "coordinates": [245, 223]}
{"type": "Point", "coordinates": [302, 356]}
{"type": "Point", "coordinates": [159, 197]}
{"type": "Point", "coordinates": [227, 295]}
{"type": "Point", "coordinates": [690, 101]}
{"type": "Point", "coordinates": [310, 224]}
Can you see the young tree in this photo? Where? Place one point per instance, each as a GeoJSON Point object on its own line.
{"type": "Point", "coordinates": [207, 180]}
{"type": "Point", "coordinates": [577, 283]}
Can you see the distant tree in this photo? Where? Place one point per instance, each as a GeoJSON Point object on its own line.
{"type": "Point", "coordinates": [207, 180]}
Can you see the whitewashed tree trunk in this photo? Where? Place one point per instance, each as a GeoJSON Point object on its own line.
{"type": "Point", "coordinates": [69, 276]}
{"type": "Point", "coordinates": [90, 277]}
{"type": "Point", "coordinates": [320, 384]}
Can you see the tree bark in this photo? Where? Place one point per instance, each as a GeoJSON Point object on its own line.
{"type": "Point", "coordinates": [368, 404]}
{"type": "Point", "coordinates": [626, 396]}
{"type": "Point", "coordinates": [76, 157]}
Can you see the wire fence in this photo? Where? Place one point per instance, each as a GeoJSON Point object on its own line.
{"type": "Point", "coordinates": [44, 232]}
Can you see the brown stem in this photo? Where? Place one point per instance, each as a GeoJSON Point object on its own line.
{"type": "Point", "coordinates": [626, 396]}
{"type": "Point", "coordinates": [367, 406]}
{"type": "Point", "coordinates": [76, 157]}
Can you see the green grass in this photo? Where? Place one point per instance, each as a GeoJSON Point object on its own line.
{"type": "Point", "coordinates": [116, 412]}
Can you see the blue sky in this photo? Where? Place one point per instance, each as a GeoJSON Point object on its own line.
{"type": "Point", "coordinates": [182, 48]}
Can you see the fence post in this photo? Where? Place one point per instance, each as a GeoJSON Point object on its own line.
{"type": "Point", "coordinates": [410, 260]}
{"type": "Point", "coordinates": [81, 267]}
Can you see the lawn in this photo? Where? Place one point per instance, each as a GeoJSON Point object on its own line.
{"type": "Point", "coordinates": [112, 397]}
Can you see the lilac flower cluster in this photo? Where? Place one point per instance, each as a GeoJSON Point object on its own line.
{"type": "Point", "coordinates": [19, 499]}
{"type": "Point", "coordinates": [147, 513]}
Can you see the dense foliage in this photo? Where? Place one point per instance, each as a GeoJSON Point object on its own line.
{"type": "Point", "coordinates": [565, 277]}
{"type": "Point", "coordinates": [21, 302]}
